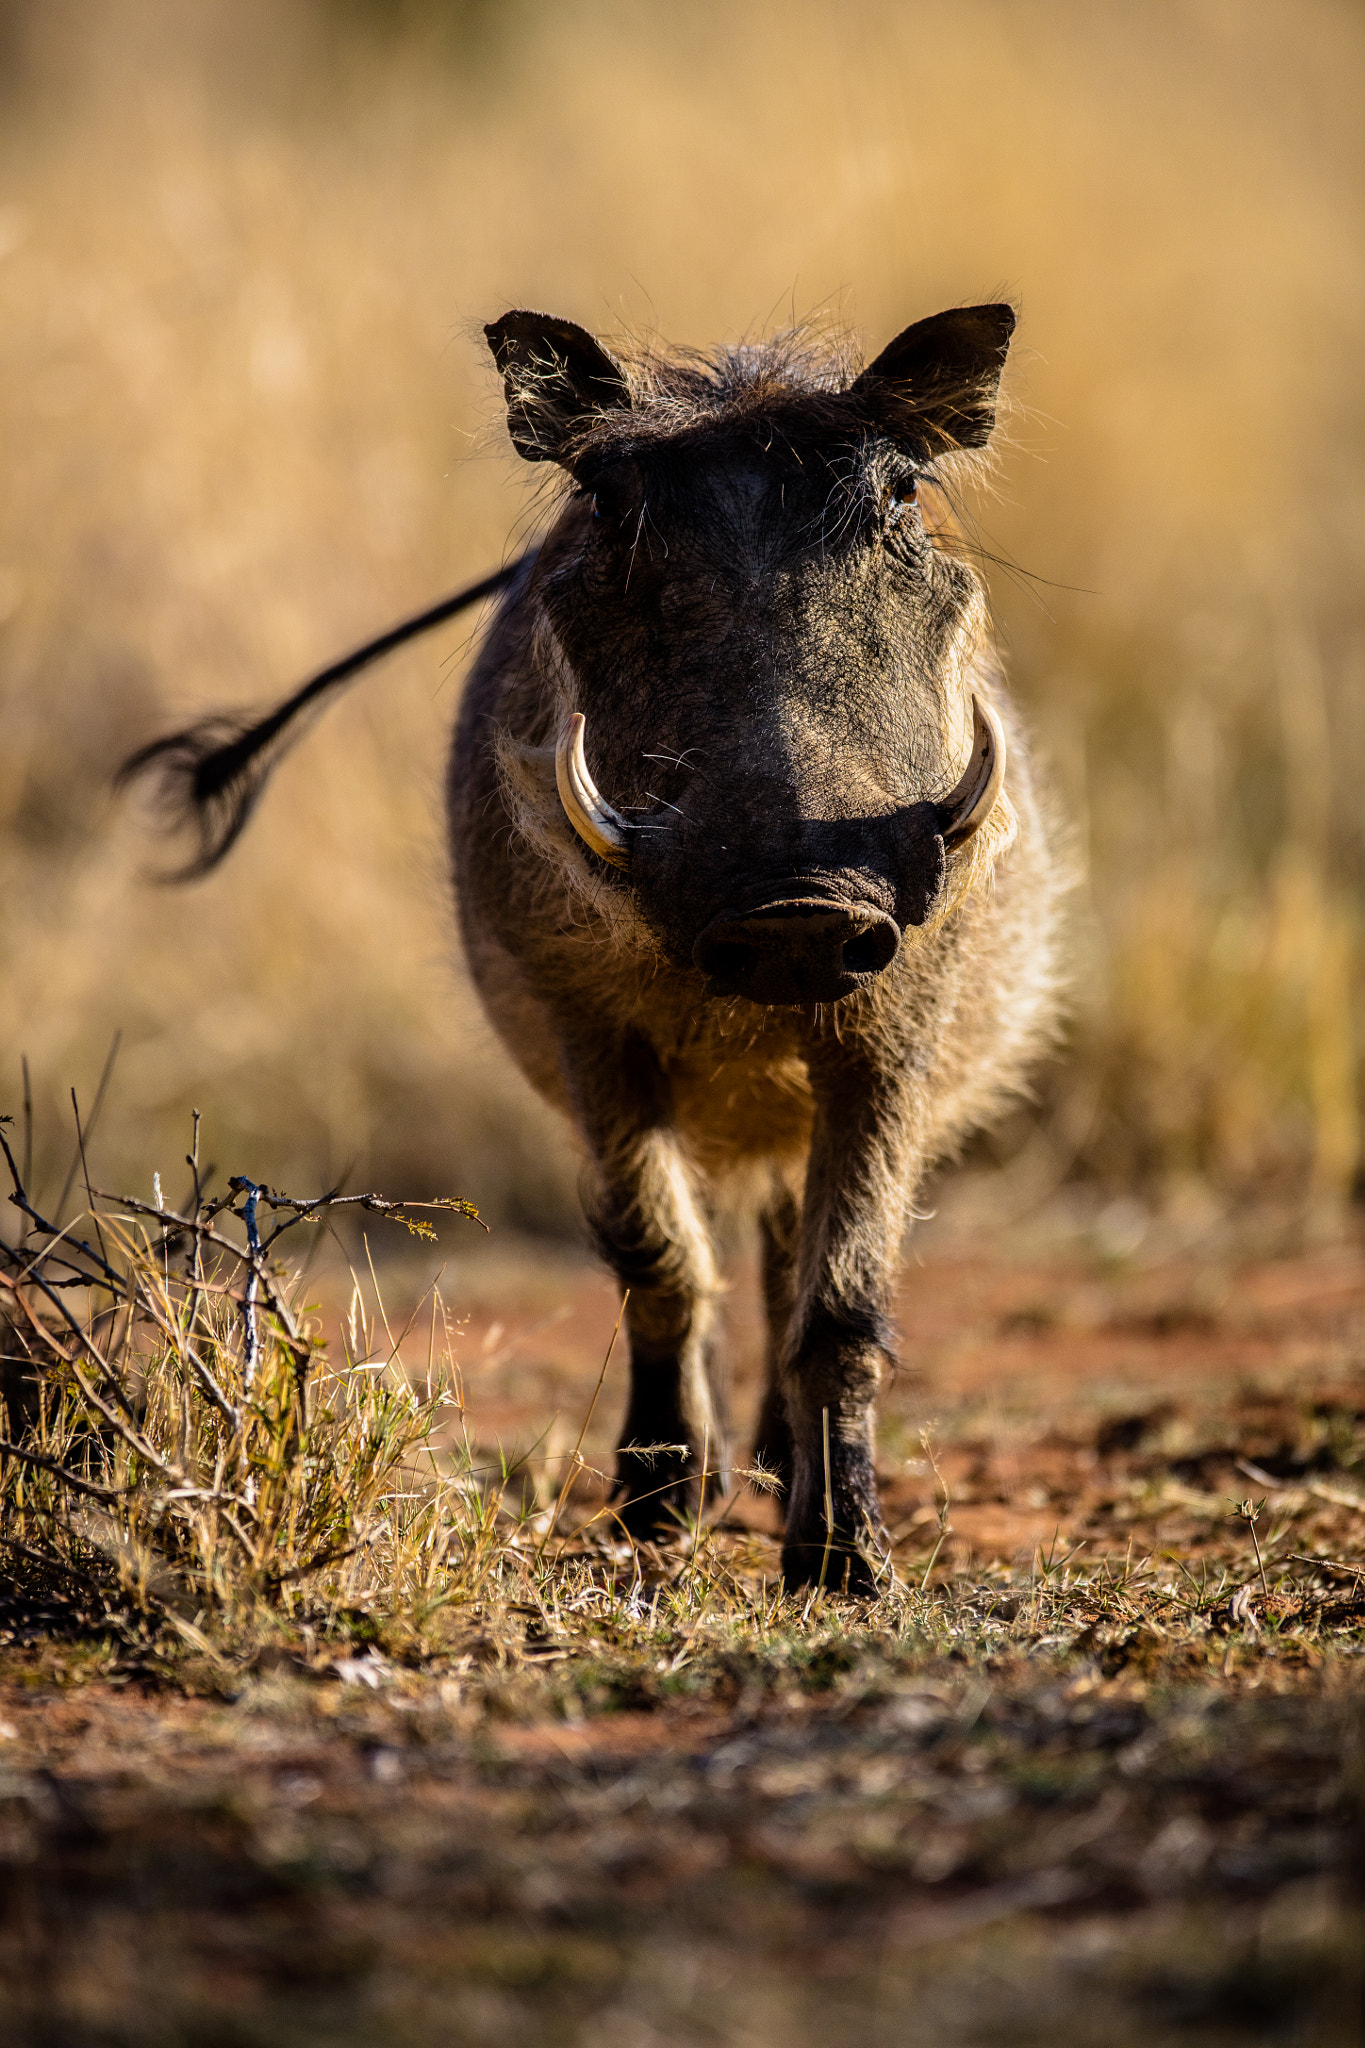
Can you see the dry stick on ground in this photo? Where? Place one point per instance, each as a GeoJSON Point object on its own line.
{"type": "Point", "coordinates": [1331, 1564]}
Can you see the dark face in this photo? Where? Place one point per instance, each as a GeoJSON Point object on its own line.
{"type": "Point", "coordinates": [771, 656]}
{"type": "Point", "coordinates": [763, 648]}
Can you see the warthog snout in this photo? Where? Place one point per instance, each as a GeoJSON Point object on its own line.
{"type": "Point", "coordinates": [796, 950]}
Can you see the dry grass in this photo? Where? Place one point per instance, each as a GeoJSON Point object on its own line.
{"type": "Point", "coordinates": [323, 1720]}
{"type": "Point", "coordinates": [247, 420]}
{"type": "Point", "coordinates": [180, 1448]}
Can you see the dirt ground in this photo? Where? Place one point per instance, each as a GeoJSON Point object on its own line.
{"type": "Point", "coordinates": [1069, 1400]}
{"type": "Point", "coordinates": [1140, 1822]}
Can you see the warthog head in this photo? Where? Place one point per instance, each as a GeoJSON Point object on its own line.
{"type": "Point", "coordinates": [772, 726]}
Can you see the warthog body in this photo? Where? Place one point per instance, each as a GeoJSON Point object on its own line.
{"type": "Point", "coordinates": [806, 939]}
{"type": "Point", "coordinates": [766, 925]}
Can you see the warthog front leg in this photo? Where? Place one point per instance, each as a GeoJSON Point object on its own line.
{"type": "Point", "coordinates": [864, 1163]}
{"type": "Point", "coordinates": [652, 1230]}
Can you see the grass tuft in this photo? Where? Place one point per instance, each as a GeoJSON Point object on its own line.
{"type": "Point", "coordinates": [181, 1445]}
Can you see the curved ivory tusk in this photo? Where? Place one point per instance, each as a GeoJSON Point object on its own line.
{"type": "Point", "coordinates": [967, 807]}
{"type": "Point", "coordinates": [591, 816]}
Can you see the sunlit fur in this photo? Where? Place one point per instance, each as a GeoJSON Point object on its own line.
{"type": "Point", "coordinates": [761, 669]}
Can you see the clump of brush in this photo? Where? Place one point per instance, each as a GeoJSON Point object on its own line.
{"type": "Point", "coordinates": [177, 1442]}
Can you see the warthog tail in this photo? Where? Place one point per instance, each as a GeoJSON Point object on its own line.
{"type": "Point", "coordinates": [209, 775]}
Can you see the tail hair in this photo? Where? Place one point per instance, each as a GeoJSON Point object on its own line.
{"type": "Point", "coordinates": [209, 776]}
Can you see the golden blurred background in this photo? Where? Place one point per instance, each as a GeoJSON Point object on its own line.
{"type": "Point", "coordinates": [247, 419]}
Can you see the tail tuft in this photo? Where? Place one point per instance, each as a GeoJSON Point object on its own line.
{"type": "Point", "coordinates": [206, 780]}
{"type": "Point", "coordinates": [208, 776]}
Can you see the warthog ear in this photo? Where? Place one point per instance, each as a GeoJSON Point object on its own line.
{"type": "Point", "coordinates": [935, 384]}
{"type": "Point", "coordinates": [556, 376]}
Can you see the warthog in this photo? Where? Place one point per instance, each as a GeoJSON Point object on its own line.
{"type": "Point", "coordinates": [750, 865]}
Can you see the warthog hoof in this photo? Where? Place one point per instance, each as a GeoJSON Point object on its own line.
{"type": "Point", "coordinates": [858, 1571]}
{"type": "Point", "coordinates": [834, 1535]}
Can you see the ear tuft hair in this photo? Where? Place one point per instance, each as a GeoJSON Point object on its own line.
{"type": "Point", "coordinates": [934, 387]}
{"type": "Point", "coordinates": [557, 378]}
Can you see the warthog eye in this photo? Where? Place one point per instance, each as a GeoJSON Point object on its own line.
{"type": "Point", "coordinates": [610, 501]}
{"type": "Point", "coordinates": [900, 500]}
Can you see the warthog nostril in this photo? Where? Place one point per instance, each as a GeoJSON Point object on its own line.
{"type": "Point", "coordinates": [727, 959]}
{"type": "Point", "coordinates": [796, 949]}
{"type": "Point", "coordinates": [872, 950]}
